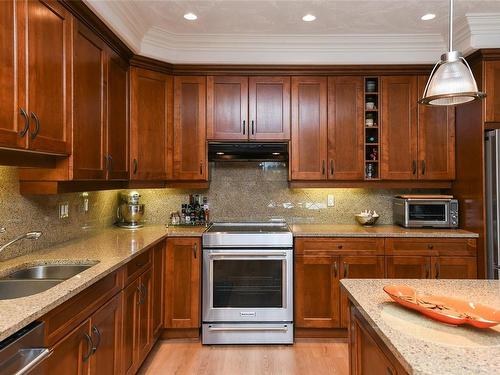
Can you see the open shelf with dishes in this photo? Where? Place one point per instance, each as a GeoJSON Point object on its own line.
{"type": "Point", "coordinates": [371, 128]}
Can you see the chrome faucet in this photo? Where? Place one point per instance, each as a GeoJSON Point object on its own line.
{"type": "Point", "coordinates": [27, 236]}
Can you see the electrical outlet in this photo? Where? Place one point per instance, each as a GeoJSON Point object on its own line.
{"type": "Point", "coordinates": [330, 201]}
{"type": "Point", "coordinates": [63, 210]}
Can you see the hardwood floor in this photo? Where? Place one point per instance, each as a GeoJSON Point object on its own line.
{"type": "Point", "coordinates": [307, 356]}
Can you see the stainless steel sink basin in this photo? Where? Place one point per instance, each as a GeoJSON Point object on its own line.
{"type": "Point", "coordinates": [50, 271]}
{"type": "Point", "coordinates": [21, 288]}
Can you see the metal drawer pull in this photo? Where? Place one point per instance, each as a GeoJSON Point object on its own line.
{"type": "Point", "coordinates": [249, 254]}
{"type": "Point", "coordinates": [201, 167]}
{"type": "Point", "coordinates": [253, 127]}
{"type": "Point", "coordinates": [195, 250]}
{"type": "Point", "coordinates": [437, 270]}
{"type": "Point", "coordinates": [335, 269]}
{"type": "Point", "coordinates": [23, 132]}
{"type": "Point", "coordinates": [427, 271]}
{"type": "Point", "coordinates": [90, 344]}
{"type": "Point", "coordinates": [323, 168]}
{"type": "Point", "coordinates": [139, 290]}
{"type": "Point", "coordinates": [346, 270]}
{"type": "Point", "coordinates": [331, 167]}
{"type": "Point", "coordinates": [45, 353]}
{"type": "Point", "coordinates": [414, 169]}
{"type": "Point", "coordinates": [37, 125]}
{"type": "Point", "coordinates": [244, 126]}
{"type": "Point", "coordinates": [280, 329]}
{"type": "Point", "coordinates": [98, 334]}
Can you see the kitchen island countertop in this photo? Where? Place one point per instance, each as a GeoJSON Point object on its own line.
{"type": "Point", "coordinates": [422, 345]}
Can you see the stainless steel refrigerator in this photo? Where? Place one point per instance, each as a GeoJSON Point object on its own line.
{"type": "Point", "coordinates": [492, 156]}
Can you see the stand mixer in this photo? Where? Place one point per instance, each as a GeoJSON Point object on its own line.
{"type": "Point", "coordinates": [130, 211]}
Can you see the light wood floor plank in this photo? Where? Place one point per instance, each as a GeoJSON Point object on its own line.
{"type": "Point", "coordinates": [316, 357]}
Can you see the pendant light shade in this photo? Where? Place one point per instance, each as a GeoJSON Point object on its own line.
{"type": "Point", "coordinates": [451, 81]}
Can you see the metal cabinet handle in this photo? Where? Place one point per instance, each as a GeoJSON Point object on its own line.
{"type": "Point", "coordinates": [331, 167]}
{"type": "Point", "coordinates": [430, 246]}
{"type": "Point", "coordinates": [427, 271]}
{"type": "Point", "coordinates": [335, 269]}
{"type": "Point", "coordinates": [323, 168]}
{"type": "Point", "coordinates": [201, 167]}
{"type": "Point", "coordinates": [423, 167]}
{"type": "Point", "coordinates": [136, 166]}
{"type": "Point", "coordinates": [139, 291]}
{"type": "Point", "coordinates": [90, 346]}
{"type": "Point", "coordinates": [389, 371]}
{"type": "Point", "coordinates": [33, 364]}
{"type": "Point", "coordinates": [23, 132]}
{"type": "Point", "coordinates": [244, 127]}
{"type": "Point", "coordinates": [144, 293]}
{"type": "Point", "coordinates": [98, 334]}
{"type": "Point", "coordinates": [110, 163]}
{"type": "Point", "coordinates": [346, 270]}
{"type": "Point", "coordinates": [438, 270]}
{"type": "Point", "coordinates": [37, 125]}
{"type": "Point", "coordinates": [195, 250]}
{"type": "Point", "coordinates": [253, 125]}
{"type": "Point", "coordinates": [414, 167]}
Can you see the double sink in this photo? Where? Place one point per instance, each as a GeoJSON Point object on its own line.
{"type": "Point", "coordinates": [36, 279]}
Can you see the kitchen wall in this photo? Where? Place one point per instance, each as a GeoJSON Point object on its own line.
{"type": "Point", "coordinates": [238, 191]}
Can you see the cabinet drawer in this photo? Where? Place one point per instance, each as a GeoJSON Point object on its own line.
{"type": "Point", "coordinates": [66, 317]}
{"type": "Point", "coordinates": [137, 266]}
{"type": "Point", "coordinates": [430, 246]}
{"type": "Point", "coordinates": [341, 246]}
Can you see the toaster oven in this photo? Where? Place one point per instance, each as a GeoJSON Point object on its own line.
{"type": "Point", "coordinates": [426, 212]}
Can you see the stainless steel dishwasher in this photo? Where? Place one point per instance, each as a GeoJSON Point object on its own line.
{"type": "Point", "coordinates": [23, 352]}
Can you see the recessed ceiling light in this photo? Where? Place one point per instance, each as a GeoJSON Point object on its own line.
{"type": "Point", "coordinates": [190, 16]}
{"type": "Point", "coordinates": [428, 17]}
{"type": "Point", "coordinates": [308, 18]}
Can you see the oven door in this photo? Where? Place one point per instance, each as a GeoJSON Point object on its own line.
{"type": "Point", "coordinates": [247, 285]}
{"type": "Point", "coordinates": [428, 213]}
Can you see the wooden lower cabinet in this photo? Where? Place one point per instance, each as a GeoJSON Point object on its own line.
{"type": "Point", "coordinates": [182, 283]}
{"type": "Point", "coordinates": [428, 267]}
{"type": "Point", "coordinates": [158, 288]}
{"type": "Point", "coordinates": [137, 325]}
{"type": "Point", "coordinates": [408, 267]}
{"type": "Point", "coordinates": [316, 291]}
{"type": "Point", "coordinates": [93, 347]}
{"type": "Point", "coordinates": [455, 267]}
{"type": "Point", "coordinates": [71, 355]}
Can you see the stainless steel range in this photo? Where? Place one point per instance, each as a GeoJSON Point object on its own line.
{"type": "Point", "coordinates": [248, 284]}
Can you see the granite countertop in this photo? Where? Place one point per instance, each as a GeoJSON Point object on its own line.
{"type": "Point", "coordinates": [354, 230]}
{"type": "Point", "coordinates": [111, 247]}
{"type": "Point", "coordinates": [422, 345]}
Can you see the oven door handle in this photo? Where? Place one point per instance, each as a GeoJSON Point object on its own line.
{"type": "Point", "coordinates": [248, 254]}
{"type": "Point", "coordinates": [280, 329]}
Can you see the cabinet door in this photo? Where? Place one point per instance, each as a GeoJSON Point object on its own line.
{"type": "Point", "coordinates": [436, 140]}
{"type": "Point", "coordinates": [357, 267]}
{"type": "Point", "coordinates": [399, 128]}
{"type": "Point", "coordinates": [150, 96]}
{"type": "Point", "coordinates": [106, 328]}
{"type": "Point", "coordinates": [227, 108]}
{"type": "Point", "coordinates": [71, 355]}
{"type": "Point", "coordinates": [190, 152]}
{"type": "Point", "coordinates": [269, 104]}
{"type": "Point", "coordinates": [47, 90]}
{"type": "Point", "coordinates": [117, 118]}
{"type": "Point", "coordinates": [182, 283]}
{"type": "Point", "coordinates": [492, 89]}
{"type": "Point", "coordinates": [316, 291]}
{"type": "Point", "coordinates": [408, 267]}
{"type": "Point", "coordinates": [130, 330]}
{"type": "Point", "coordinates": [454, 267]}
{"type": "Point", "coordinates": [158, 268]}
{"type": "Point", "coordinates": [309, 128]}
{"type": "Point", "coordinates": [145, 322]}
{"type": "Point", "coordinates": [12, 120]}
{"type": "Point", "coordinates": [345, 128]}
{"type": "Point", "coordinates": [89, 101]}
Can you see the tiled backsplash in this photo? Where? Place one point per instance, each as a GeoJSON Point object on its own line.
{"type": "Point", "coordinates": [238, 191]}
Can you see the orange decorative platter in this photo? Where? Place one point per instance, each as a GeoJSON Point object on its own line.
{"type": "Point", "coordinates": [445, 309]}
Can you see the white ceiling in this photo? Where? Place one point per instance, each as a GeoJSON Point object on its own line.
{"type": "Point", "coordinates": [345, 31]}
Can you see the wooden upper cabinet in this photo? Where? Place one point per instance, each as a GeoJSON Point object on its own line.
{"type": "Point", "coordinates": [182, 283]}
{"type": "Point", "coordinates": [151, 93]}
{"type": "Point", "coordinates": [45, 92]}
{"type": "Point", "coordinates": [117, 118]}
{"type": "Point", "coordinates": [227, 108]}
{"type": "Point", "coordinates": [345, 128]}
{"type": "Point", "coordinates": [492, 89]}
{"type": "Point", "coordinates": [269, 108]}
{"type": "Point", "coordinates": [399, 127]}
{"type": "Point", "coordinates": [309, 128]}
{"type": "Point", "coordinates": [316, 291]}
{"type": "Point", "coordinates": [89, 98]}
{"type": "Point", "coordinates": [189, 146]}
{"type": "Point", "coordinates": [12, 119]}
{"type": "Point", "coordinates": [436, 140]}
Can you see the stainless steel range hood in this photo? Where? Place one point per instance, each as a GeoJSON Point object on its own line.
{"type": "Point", "coordinates": [247, 151]}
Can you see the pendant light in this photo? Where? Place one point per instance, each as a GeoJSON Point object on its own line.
{"type": "Point", "coordinates": [451, 81]}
